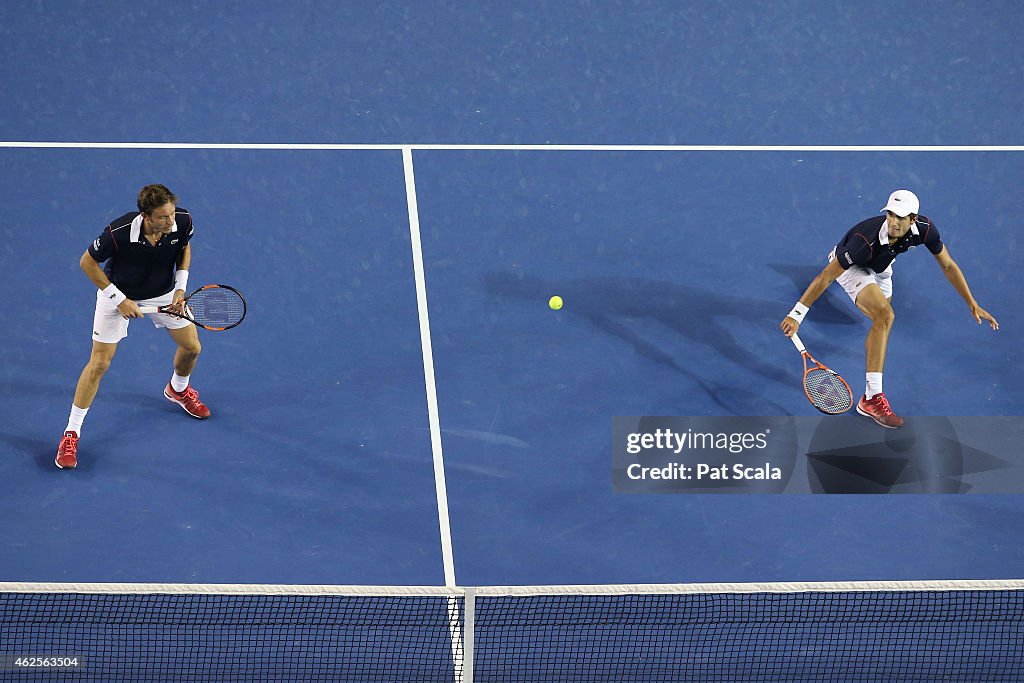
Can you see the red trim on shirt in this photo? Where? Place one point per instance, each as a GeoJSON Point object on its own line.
{"type": "Point", "coordinates": [870, 248]}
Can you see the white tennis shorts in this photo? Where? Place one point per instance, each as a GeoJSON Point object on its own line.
{"type": "Point", "coordinates": [855, 278]}
{"type": "Point", "coordinates": [110, 327]}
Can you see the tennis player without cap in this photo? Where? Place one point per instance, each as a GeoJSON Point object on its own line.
{"type": "Point", "coordinates": [147, 255]}
{"type": "Point", "coordinates": [862, 264]}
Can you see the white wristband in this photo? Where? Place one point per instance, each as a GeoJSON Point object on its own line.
{"type": "Point", "coordinates": [799, 312]}
{"type": "Point", "coordinates": [112, 294]}
{"type": "Point", "coordinates": [181, 280]}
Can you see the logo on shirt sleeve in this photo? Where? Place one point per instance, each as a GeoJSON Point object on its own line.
{"type": "Point", "coordinates": [96, 244]}
{"type": "Point", "coordinates": [849, 259]}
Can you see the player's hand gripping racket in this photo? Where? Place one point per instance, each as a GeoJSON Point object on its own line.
{"type": "Point", "coordinates": [213, 307]}
{"type": "Point", "coordinates": [825, 389]}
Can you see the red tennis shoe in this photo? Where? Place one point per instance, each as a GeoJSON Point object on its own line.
{"type": "Point", "coordinates": [878, 409]}
{"type": "Point", "coordinates": [67, 451]}
{"type": "Point", "coordinates": [189, 400]}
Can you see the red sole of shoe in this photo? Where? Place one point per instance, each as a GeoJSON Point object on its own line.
{"type": "Point", "coordinates": [875, 420]}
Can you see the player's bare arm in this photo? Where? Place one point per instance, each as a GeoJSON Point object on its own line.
{"type": "Point", "coordinates": [92, 270]}
{"type": "Point", "coordinates": [817, 287]}
{"type": "Point", "coordinates": [183, 264]}
{"type": "Point", "coordinates": [956, 278]}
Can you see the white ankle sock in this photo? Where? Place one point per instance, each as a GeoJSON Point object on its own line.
{"type": "Point", "coordinates": [179, 383]}
{"type": "Point", "coordinates": [874, 384]}
{"type": "Point", "coordinates": [76, 419]}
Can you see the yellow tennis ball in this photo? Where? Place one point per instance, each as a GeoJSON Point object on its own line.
{"type": "Point", "coordinates": [555, 303]}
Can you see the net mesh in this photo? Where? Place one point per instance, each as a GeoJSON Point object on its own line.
{"type": "Point", "coordinates": [804, 635]}
{"type": "Point", "coordinates": [883, 636]}
{"type": "Point", "coordinates": [244, 638]}
{"type": "Point", "coordinates": [827, 391]}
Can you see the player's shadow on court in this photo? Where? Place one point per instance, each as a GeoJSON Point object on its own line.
{"type": "Point", "coordinates": [832, 308]}
{"type": "Point", "coordinates": [699, 315]}
{"type": "Point", "coordinates": [138, 402]}
{"type": "Point", "coordinates": [41, 452]}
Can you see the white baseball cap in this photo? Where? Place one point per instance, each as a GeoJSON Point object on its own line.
{"type": "Point", "coordinates": [903, 203]}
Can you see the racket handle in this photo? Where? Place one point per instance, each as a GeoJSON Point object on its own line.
{"type": "Point", "coordinates": [796, 342]}
{"type": "Point", "coordinates": [149, 309]}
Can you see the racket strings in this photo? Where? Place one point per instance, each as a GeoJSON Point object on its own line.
{"type": "Point", "coordinates": [217, 307]}
{"type": "Point", "coordinates": [827, 391]}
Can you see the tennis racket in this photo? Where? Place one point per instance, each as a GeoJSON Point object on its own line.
{"type": "Point", "coordinates": [825, 389]}
{"type": "Point", "coordinates": [212, 307]}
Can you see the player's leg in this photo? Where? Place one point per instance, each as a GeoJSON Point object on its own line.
{"type": "Point", "coordinates": [88, 384]}
{"type": "Point", "coordinates": [179, 389]}
{"type": "Point", "coordinates": [109, 328]}
{"type": "Point", "coordinates": [89, 381]}
{"type": "Point", "coordinates": [876, 305]}
{"type": "Point", "coordinates": [869, 291]}
{"type": "Point", "coordinates": [189, 348]}
{"type": "Point", "coordinates": [873, 303]}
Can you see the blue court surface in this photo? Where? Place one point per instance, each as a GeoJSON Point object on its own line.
{"type": "Point", "coordinates": [676, 267]}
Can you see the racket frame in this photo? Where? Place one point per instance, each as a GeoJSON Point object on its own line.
{"type": "Point", "coordinates": [818, 365]}
{"type": "Point", "coordinates": [186, 316]}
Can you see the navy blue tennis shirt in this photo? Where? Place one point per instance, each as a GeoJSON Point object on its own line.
{"type": "Point", "coordinates": [867, 244]}
{"type": "Point", "coordinates": [137, 268]}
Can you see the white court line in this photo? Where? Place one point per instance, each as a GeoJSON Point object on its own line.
{"type": "Point", "coordinates": [483, 592]}
{"type": "Point", "coordinates": [441, 488]}
{"type": "Point", "coordinates": [545, 147]}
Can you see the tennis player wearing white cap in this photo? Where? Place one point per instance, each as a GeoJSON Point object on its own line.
{"type": "Point", "coordinates": [862, 264]}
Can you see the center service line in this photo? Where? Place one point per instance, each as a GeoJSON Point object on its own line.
{"type": "Point", "coordinates": [428, 371]}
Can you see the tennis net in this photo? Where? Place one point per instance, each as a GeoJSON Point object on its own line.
{"type": "Point", "coordinates": [858, 631]}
